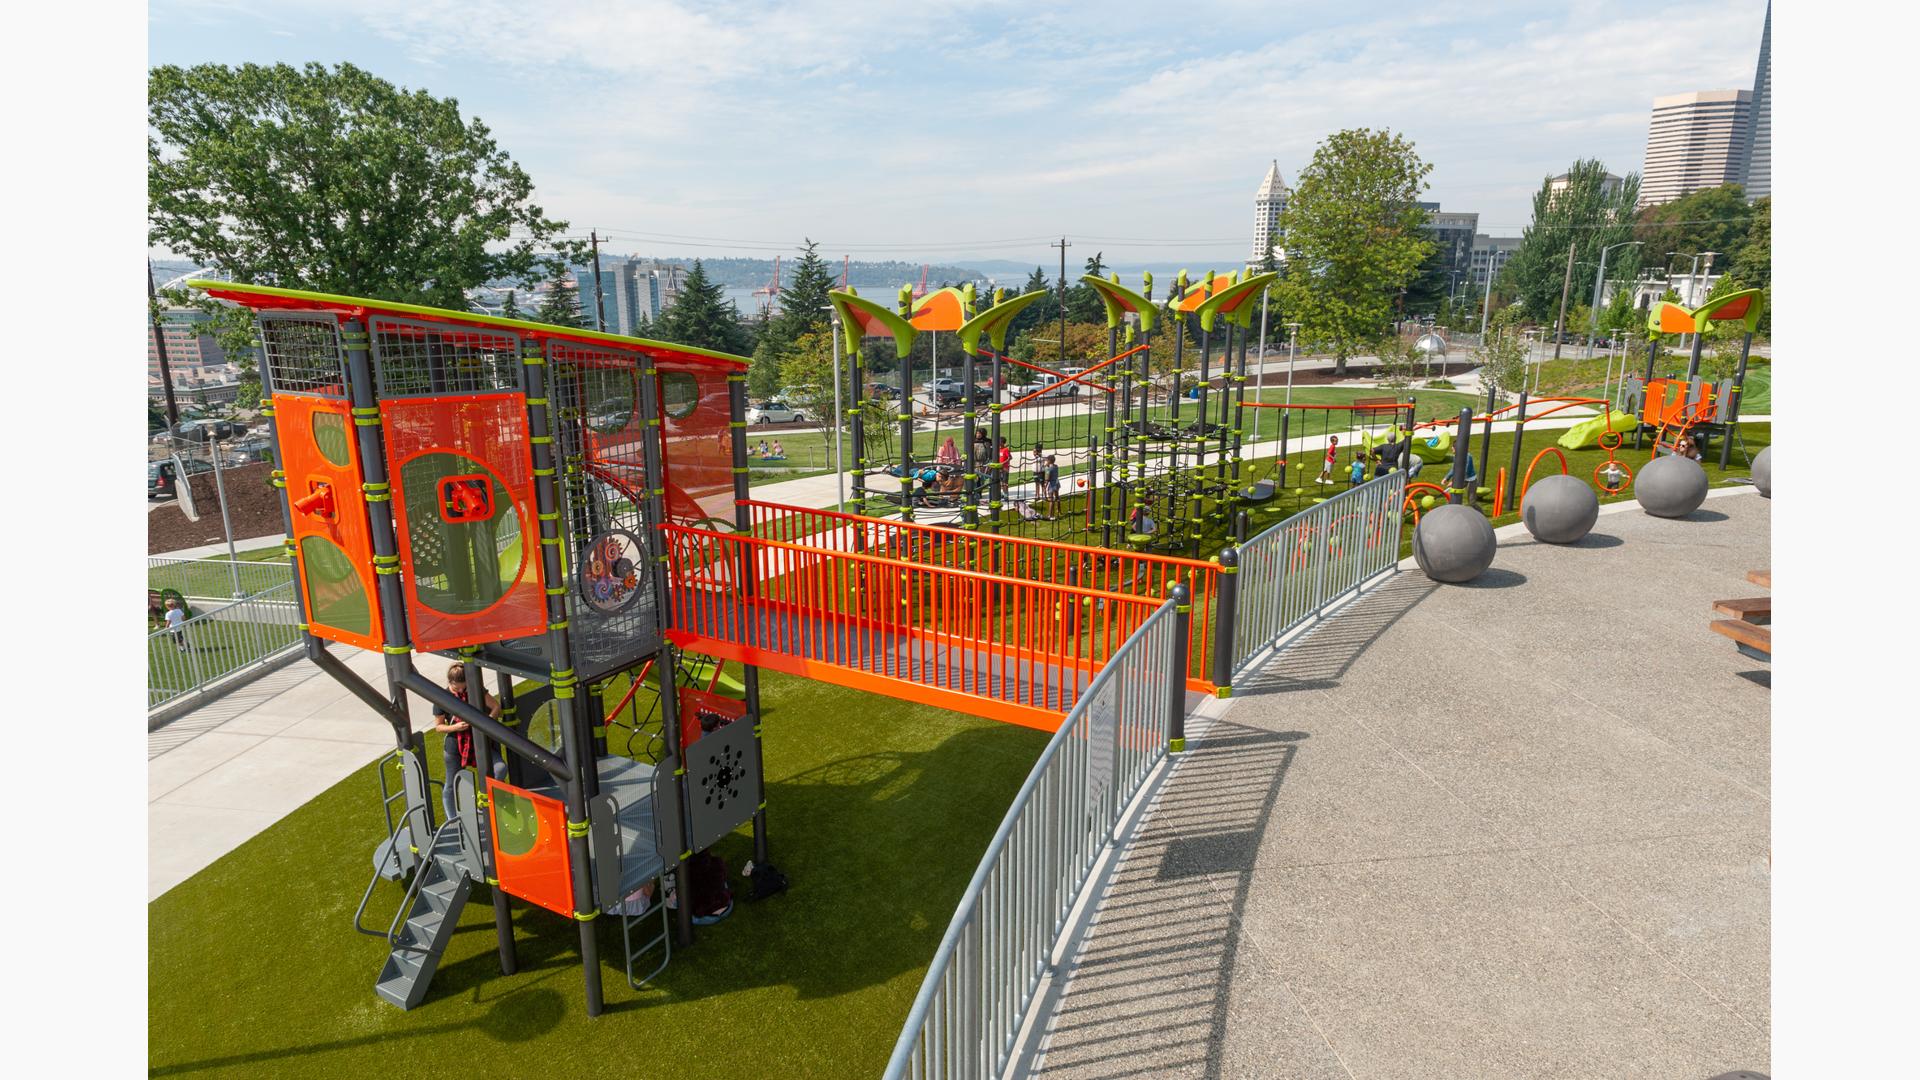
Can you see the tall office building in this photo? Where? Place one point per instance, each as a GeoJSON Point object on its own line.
{"type": "Point", "coordinates": [608, 304]}
{"type": "Point", "coordinates": [1609, 185]}
{"type": "Point", "coordinates": [1268, 202]}
{"type": "Point", "coordinates": [1696, 141]}
{"type": "Point", "coordinates": [1759, 172]}
{"type": "Point", "coordinates": [1453, 232]}
{"type": "Point", "coordinates": [1490, 255]}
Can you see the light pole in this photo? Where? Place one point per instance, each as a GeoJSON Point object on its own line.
{"type": "Point", "coordinates": [1599, 277]}
{"type": "Point", "coordinates": [1260, 376]}
{"type": "Point", "coordinates": [1286, 415]}
{"type": "Point", "coordinates": [1693, 277]}
{"type": "Point", "coordinates": [839, 438]}
{"type": "Point", "coordinates": [1486, 302]}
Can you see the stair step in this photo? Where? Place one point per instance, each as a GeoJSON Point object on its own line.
{"type": "Point", "coordinates": [436, 911]}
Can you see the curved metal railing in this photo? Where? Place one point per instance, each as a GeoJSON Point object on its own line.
{"type": "Point", "coordinates": [984, 976]}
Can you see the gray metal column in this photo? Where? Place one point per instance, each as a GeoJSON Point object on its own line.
{"type": "Point", "coordinates": [483, 759]}
{"type": "Point", "coordinates": [1225, 613]}
{"type": "Point", "coordinates": [1106, 486]}
{"type": "Point", "coordinates": [906, 412]}
{"type": "Point", "coordinates": [1462, 444]}
{"type": "Point", "coordinates": [1177, 676]}
{"type": "Point", "coordinates": [997, 474]}
{"type": "Point", "coordinates": [1733, 404]}
{"type": "Point", "coordinates": [1486, 443]}
{"type": "Point", "coordinates": [562, 679]}
{"type": "Point", "coordinates": [396, 644]}
{"type": "Point", "coordinates": [666, 662]}
{"type": "Point", "coordinates": [748, 585]}
{"type": "Point", "coordinates": [970, 478]}
{"type": "Point", "coordinates": [1513, 462]}
{"type": "Point", "coordinates": [858, 373]}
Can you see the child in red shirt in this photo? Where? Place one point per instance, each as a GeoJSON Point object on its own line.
{"type": "Point", "coordinates": [1333, 458]}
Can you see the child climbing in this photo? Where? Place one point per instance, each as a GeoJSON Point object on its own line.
{"type": "Point", "coordinates": [1358, 474]}
{"type": "Point", "coordinates": [1333, 458]}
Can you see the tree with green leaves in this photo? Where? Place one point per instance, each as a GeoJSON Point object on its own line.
{"type": "Point", "coordinates": [803, 299]}
{"type": "Point", "coordinates": [336, 180]}
{"type": "Point", "coordinates": [1355, 238]}
{"type": "Point", "coordinates": [1503, 358]}
{"type": "Point", "coordinates": [1083, 304]}
{"type": "Point", "coordinates": [702, 316]}
{"type": "Point", "coordinates": [1620, 316]}
{"type": "Point", "coordinates": [1586, 214]}
{"type": "Point", "coordinates": [1046, 310]}
{"type": "Point", "coordinates": [560, 305]}
{"type": "Point", "coordinates": [510, 309]}
{"type": "Point", "coordinates": [1716, 219]}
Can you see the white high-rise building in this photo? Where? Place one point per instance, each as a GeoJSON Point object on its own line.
{"type": "Point", "coordinates": [1268, 202]}
{"type": "Point", "coordinates": [1696, 141]}
{"type": "Point", "coordinates": [1759, 176]}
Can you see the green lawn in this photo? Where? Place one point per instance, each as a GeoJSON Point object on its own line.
{"type": "Point", "coordinates": [1571, 377]}
{"type": "Point", "coordinates": [217, 646]}
{"type": "Point", "coordinates": [879, 811]}
{"type": "Point", "coordinates": [809, 452]}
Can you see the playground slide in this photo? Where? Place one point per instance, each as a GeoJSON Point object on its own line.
{"type": "Point", "coordinates": [1586, 434]}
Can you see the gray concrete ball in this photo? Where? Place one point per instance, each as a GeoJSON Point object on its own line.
{"type": "Point", "coordinates": [1560, 509]}
{"type": "Point", "coordinates": [1671, 486]}
{"type": "Point", "coordinates": [1763, 473]}
{"type": "Point", "coordinates": [1453, 543]}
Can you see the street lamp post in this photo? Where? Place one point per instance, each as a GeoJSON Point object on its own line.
{"type": "Point", "coordinates": [839, 436]}
{"type": "Point", "coordinates": [1486, 302]}
{"type": "Point", "coordinates": [1260, 376]}
{"type": "Point", "coordinates": [1293, 345]}
{"type": "Point", "coordinates": [1599, 277]}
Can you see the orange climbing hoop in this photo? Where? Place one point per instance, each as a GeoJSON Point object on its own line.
{"type": "Point", "coordinates": [1527, 481]}
{"type": "Point", "coordinates": [1411, 504]}
{"type": "Point", "coordinates": [1612, 475]}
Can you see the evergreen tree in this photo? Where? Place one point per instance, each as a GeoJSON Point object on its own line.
{"type": "Point", "coordinates": [703, 317]}
{"type": "Point", "coordinates": [1039, 311]}
{"type": "Point", "coordinates": [803, 299]}
{"type": "Point", "coordinates": [511, 309]}
{"type": "Point", "coordinates": [1083, 304]}
{"type": "Point", "coordinates": [1582, 214]}
{"type": "Point", "coordinates": [561, 305]}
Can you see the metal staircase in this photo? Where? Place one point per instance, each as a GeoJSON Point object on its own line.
{"type": "Point", "coordinates": [439, 891]}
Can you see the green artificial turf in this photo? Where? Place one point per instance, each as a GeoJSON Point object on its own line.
{"type": "Point", "coordinates": [878, 810]}
{"type": "Point", "coordinates": [216, 646]}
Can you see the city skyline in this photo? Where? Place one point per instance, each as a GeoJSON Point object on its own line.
{"type": "Point", "coordinates": [1140, 174]}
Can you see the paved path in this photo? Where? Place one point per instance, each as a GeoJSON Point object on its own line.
{"type": "Point", "coordinates": [230, 768]}
{"type": "Point", "coordinates": [1516, 829]}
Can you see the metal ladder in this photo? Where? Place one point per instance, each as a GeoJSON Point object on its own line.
{"type": "Point", "coordinates": [436, 893]}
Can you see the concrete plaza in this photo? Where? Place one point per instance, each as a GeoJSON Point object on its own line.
{"type": "Point", "coordinates": [1519, 828]}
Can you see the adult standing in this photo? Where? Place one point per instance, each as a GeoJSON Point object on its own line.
{"type": "Point", "coordinates": [457, 751]}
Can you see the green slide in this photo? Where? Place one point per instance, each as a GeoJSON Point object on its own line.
{"type": "Point", "coordinates": [1586, 434]}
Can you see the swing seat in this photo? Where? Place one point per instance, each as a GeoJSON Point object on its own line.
{"type": "Point", "coordinates": [1260, 491]}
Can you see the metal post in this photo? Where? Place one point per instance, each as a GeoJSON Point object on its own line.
{"type": "Point", "coordinates": [839, 430]}
{"type": "Point", "coordinates": [599, 295]}
{"type": "Point", "coordinates": [1693, 358]}
{"type": "Point", "coordinates": [1733, 403]}
{"type": "Point", "coordinates": [1260, 376]}
{"type": "Point", "coordinates": [220, 492]}
{"type": "Point", "coordinates": [1463, 443]}
{"type": "Point", "coordinates": [1513, 459]}
{"type": "Point", "coordinates": [483, 759]}
{"type": "Point", "coordinates": [1106, 488]}
{"type": "Point", "coordinates": [1486, 302]}
{"type": "Point", "coordinates": [160, 354]}
{"type": "Point", "coordinates": [562, 678]}
{"type": "Point", "coordinates": [1486, 440]}
{"type": "Point", "coordinates": [996, 474]}
{"type": "Point", "coordinates": [1225, 613]}
{"type": "Point", "coordinates": [1566, 285]}
{"type": "Point", "coordinates": [748, 584]}
{"type": "Point", "coordinates": [656, 516]}
{"type": "Point", "coordinates": [1177, 676]}
{"type": "Point", "coordinates": [858, 376]}
{"type": "Point", "coordinates": [663, 670]}
{"type": "Point", "coordinates": [906, 413]}
{"type": "Point", "coordinates": [970, 479]}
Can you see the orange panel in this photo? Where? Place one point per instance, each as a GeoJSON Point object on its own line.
{"type": "Point", "coordinates": [695, 415]}
{"type": "Point", "coordinates": [322, 460]}
{"type": "Point", "coordinates": [530, 852]}
{"type": "Point", "coordinates": [462, 475]}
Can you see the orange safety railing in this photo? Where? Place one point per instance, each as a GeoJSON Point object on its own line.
{"type": "Point", "coordinates": [1106, 571]}
{"type": "Point", "coordinates": [1031, 647]}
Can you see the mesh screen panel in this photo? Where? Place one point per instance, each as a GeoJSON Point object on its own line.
{"type": "Point", "coordinates": [595, 394]}
{"type": "Point", "coordinates": [412, 357]}
{"type": "Point", "coordinates": [698, 444]}
{"type": "Point", "coordinates": [303, 354]}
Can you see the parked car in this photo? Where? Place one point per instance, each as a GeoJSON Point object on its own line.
{"type": "Point", "coordinates": [882, 390]}
{"type": "Point", "coordinates": [1059, 386]}
{"type": "Point", "coordinates": [947, 398]}
{"type": "Point", "coordinates": [161, 481]}
{"type": "Point", "coordinates": [775, 412]}
{"type": "Point", "coordinates": [201, 430]}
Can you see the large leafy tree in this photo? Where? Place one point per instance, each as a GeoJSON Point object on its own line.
{"type": "Point", "coordinates": [1585, 215]}
{"type": "Point", "coordinates": [334, 179]}
{"type": "Point", "coordinates": [1355, 238]}
{"type": "Point", "coordinates": [803, 299]}
{"type": "Point", "coordinates": [1083, 304]}
{"type": "Point", "coordinates": [1714, 219]}
{"type": "Point", "coordinates": [702, 316]}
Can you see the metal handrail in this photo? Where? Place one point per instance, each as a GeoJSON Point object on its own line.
{"type": "Point", "coordinates": [393, 856]}
{"type": "Point", "coordinates": [914, 1030]}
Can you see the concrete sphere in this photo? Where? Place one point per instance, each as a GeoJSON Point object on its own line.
{"type": "Point", "coordinates": [1560, 509]}
{"type": "Point", "coordinates": [1671, 486]}
{"type": "Point", "coordinates": [1763, 473]}
{"type": "Point", "coordinates": [1453, 543]}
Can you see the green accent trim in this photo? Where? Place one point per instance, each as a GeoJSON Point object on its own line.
{"type": "Point", "coordinates": [1176, 746]}
{"type": "Point", "coordinates": [537, 401]}
{"type": "Point", "coordinates": [1184, 609]}
{"type": "Point", "coordinates": [543, 472]}
{"type": "Point", "coordinates": [1118, 300]}
{"type": "Point", "coordinates": [396, 650]}
{"type": "Point", "coordinates": [888, 322]}
{"type": "Point", "coordinates": [995, 322]}
{"type": "Point", "coordinates": [588, 916]}
{"type": "Point", "coordinates": [234, 290]}
{"type": "Point", "coordinates": [540, 440]}
{"type": "Point", "coordinates": [1223, 691]}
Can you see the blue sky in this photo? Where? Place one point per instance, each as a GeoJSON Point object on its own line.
{"type": "Point", "coordinates": [946, 131]}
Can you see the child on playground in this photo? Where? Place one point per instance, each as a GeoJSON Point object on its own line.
{"type": "Point", "coordinates": [1051, 487]}
{"type": "Point", "coordinates": [949, 453]}
{"type": "Point", "coordinates": [176, 615]}
{"type": "Point", "coordinates": [458, 752]}
{"type": "Point", "coordinates": [778, 452]}
{"type": "Point", "coordinates": [1358, 474]}
{"type": "Point", "coordinates": [1332, 459]}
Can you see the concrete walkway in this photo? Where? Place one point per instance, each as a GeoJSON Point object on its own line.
{"type": "Point", "coordinates": [229, 769]}
{"type": "Point", "coordinates": [1514, 829]}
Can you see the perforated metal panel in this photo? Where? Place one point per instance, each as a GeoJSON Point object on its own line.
{"type": "Point", "coordinates": [723, 787]}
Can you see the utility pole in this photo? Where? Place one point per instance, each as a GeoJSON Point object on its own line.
{"type": "Point", "coordinates": [1599, 279]}
{"type": "Point", "coordinates": [1566, 285]}
{"type": "Point", "coordinates": [1063, 246]}
{"type": "Point", "coordinates": [1486, 303]}
{"type": "Point", "coordinates": [599, 297]}
{"type": "Point", "coordinates": [160, 351]}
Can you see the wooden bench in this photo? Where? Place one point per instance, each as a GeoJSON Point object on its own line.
{"type": "Point", "coordinates": [1750, 625]}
